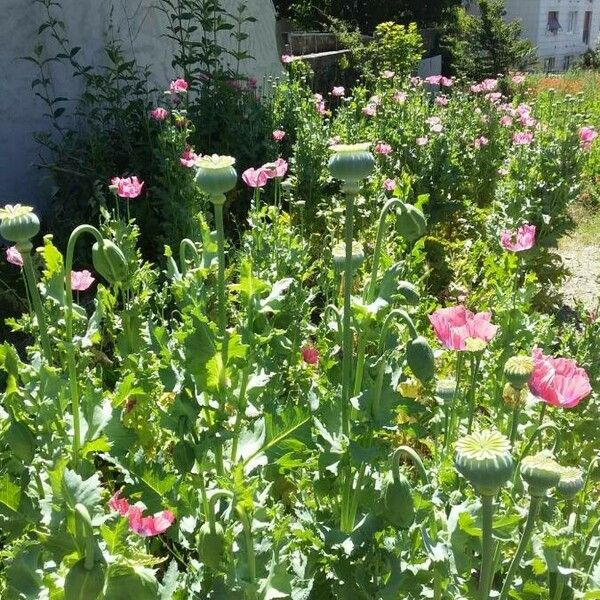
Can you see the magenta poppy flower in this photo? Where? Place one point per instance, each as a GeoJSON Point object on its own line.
{"type": "Point", "coordinates": [149, 526]}
{"type": "Point", "coordinates": [278, 135]}
{"type": "Point", "coordinates": [189, 158]}
{"type": "Point", "coordinates": [276, 169]}
{"type": "Point", "coordinates": [127, 187]}
{"type": "Point", "coordinates": [178, 86]}
{"type": "Point", "coordinates": [520, 240]}
{"type": "Point", "coordinates": [558, 381]}
{"type": "Point", "coordinates": [310, 355]}
{"type": "Point", "coordinates": [338, 91]}
{"type": "Point", "coordinates": [455, 325]}
{"type": "Point", "coordinates": [286, 59]}
{"type": "Point", "coordinates": [587, 135]}
{"type": "Point", "coordinates": [255, 178]}
{"type": "Point", "coordinates": [81, 280]}
{"type": "Point", "coordinates": [14, 257]}
{"type": "Point", "coordinates": [389, 185]}
{"type": "Point", "coordinates": [522, 138]}
{"type": "Point", "coordinates": [383, 148]}
{"type": "Point", "coordinates": [447, 81]}
{"type": "Point", "coordinates": [118, 504]}
{"type": "Point", "coordinates": [159, 113]}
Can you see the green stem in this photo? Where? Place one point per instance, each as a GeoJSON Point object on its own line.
{"type": "Point", "coordinates": [515, 424]}
{"type": "Point", "coordinates": [360, 364]}
{"type": "Point", "coordinates": [250, 556]}
{"type": "Point", "coordinates": [583, 496]}
{"type": "Point", "coordinates": [486, 575]}
{"type": "Point", "coordinates": [185, 245]}
{"type": "Point", "coordinates": [475, 361]}
{"type": "Point", "coordinates": [38, 307]}
{"type": "Point", "coordinates": [218, 207]}
{"type": "Point", "coordinates": [451, 413]}
{"type": "Point", "coordinates": [534, 509]}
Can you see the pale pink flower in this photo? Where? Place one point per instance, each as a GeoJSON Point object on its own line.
{"type": "Point", "coordinates": [127, 187]}
{"type": "Point", "coordinates": [415, 81]}
{"type": "Point", "coordinates": [437, 128]}
{"type": "Point", "coordinates": [518, 79]}
{"type": "Point", "coordinates": [375, 100]}
{"type": "Point", "coordinates": [118, 504]}
{"type": "Point", "coordinates": [522, 138]}
{"type": "Point", "coordinates": [433, 121]}
{"type": "Point", "coordinates": [399, 97]}
{"type": "Point", "coordinates": [277, 169]}
{"type": "Point", "coordinates": [433, 79]}
{"type": "Point", "coordinates": [310, 355]}
{"type": "Point", "coordinates": [159, 113]}
{"type": "Point", "coordinates": [189, 158]}
{"type": "Point", "coordinates": [455, 325]}
{"type": "Point", "coordinates": [523, 109]}
{"type": "Point", "coordinates": [447, 81]}
{"type": "Point", "coordinates": [370, 110]}
{"type": "Point", "coordinates": [441, 100]}
{"type": "Point", "coordinates": [14, 257]}
{"type": "Point", "coordinates": [558, 381]}
{"type": "Point", "coordinates": [506, 121]}
{"type": "Point", "coordinates": [383, 148]}
{"type": "Point", "coordinates": [149, 526]}
{"type": "Point", "coordinates": [587, 135]}
{"type": "Point", "coordinates": [493, 97]}
{"type": "Point", "coordinates": [81, 280]}
{"type": "Point", "coordinates": [527, 120]}
{"type": "Point", "coordinates": [318, 97]}
{"type": "Point", "coordinates": [521, 239]}
{"type": "Point", "coordinates": [389, 185]}
{"type": "Point", "coordinates": [286, 59]}
{"type": "Point", "coordinates": [503, 171]}
{"type": "Point", "coordinates": [255, 178]}
{"type": "Point", "coordinates": [335, 140]}
{"type": "Point", "coordinates": [481, 141]}
{"type": "Point", "coordinates": [387, 74]}
{"type": "Point", "coordinates": [178, 86]}
{"type": "Point", "coordinates": [338, 91]}
{"type": "Point", "coordinates": [278, 135]}
{"type": "Point", "coordinates": [422, 141]}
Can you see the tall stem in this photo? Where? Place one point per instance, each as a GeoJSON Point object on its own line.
{"type": "Point", "coordinates": [250, 556]}
{"type": "Point", "coordinates": [534, 509]}
{"type": "Point", "coordinates": [487, 547]}
{"type": "Point", "coordinates": [515, 423]}
{"type": "Point", "coordinates": [475, 360]}
{"type": "Point", "coordinates": [451, 413]}
{"type": "Point", "coordinates": [218, 206]}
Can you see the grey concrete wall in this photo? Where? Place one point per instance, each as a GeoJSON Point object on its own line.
{"type": "Point", "coordinates": [138, 24]}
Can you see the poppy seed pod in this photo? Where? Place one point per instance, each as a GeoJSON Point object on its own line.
{"type": "Point", "coordinates": [515, 398]}
{"type": "Point", "coordinates": [571, 482]}
{"type": "Point", "coordinates": [483, 458]}
{"type": "Point", "coordinates": [211, 544]}
{"type": "Point", "coordinates": [351, 162]}
{"type": "Point", "coordinates": [18, 223]}
{"type": "Point", "coordinates": [216, 175]}
{"type": "Point", "coordinates": [541, 472]}
{"type": "Point", "coordinates": [398, 502]}
{"type": "Point", "coordinates": [446, 388]}
{"type": "Point", "coordinates": [419, 357]}
{"type": "Point", "coordinates": [339, 256]}
{"type": "Point", "coordinates": [518, 370]}
{"type": "Point", "coordinates": [109, 261]}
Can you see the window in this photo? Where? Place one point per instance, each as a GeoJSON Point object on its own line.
{"type": "Point", "coordinates": [572, 23]}
{"type": "Point", "coordinates": [587, 25]}
{"type": "Point", "coordinates": [549, 64]}
{"type": "Point", "coordinates": [567, 62]}
{"type": "Point", "coordinates": [553, 23]}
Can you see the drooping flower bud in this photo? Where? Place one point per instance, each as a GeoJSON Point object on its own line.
{"type": "Point", "coordinates": [483, 458]}
{"type": "Point", "coordinates": [351, 162]}
{"type": "Point", "coordinates": [216, 175]}
{"type": "Point", "coordinates": [571, 482]}
{"type": "Point", "coordinates": [541, 472]}
{"type": "Point", "coordinates": [518, 370]}
{"type": "Point", "coordinates": [19, 224]}
{"type": "Point", "coordinates": [514, 397]}
{"type": "Point", "coordinates": [110, 261]}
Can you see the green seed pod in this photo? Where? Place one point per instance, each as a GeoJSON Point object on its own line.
{"type": "Point", "coordinates": [339, 256]}
{"type": "Point", "coordinates": [541, 472]}
{"type": "Point", "coordinates": [351, 162]}
{"type": "Point", "coordinates": [446, 388]}
{"type": "Point", "coordinates": [571, 482]}
{"type": "Point", "coordinates": [18, 223]}
{"type": "Point", "coordinates": [84, 583]}
{"type": "Point", "coordinates": [483, 458]}
{"type": "Point", "coordinates": [518, 370]}
{"type": "Point", "coordinates": [408, 292]}
{"type": "Point", "coordinates": [514, 397]}
{"type": "Point", "coordinates": [184, 457]}
{"type": "Point", "coordinates": [419, 357]}
{"type": "Point", "coordinates": [211, 545]}
{"type": "Point", "coordinates": [110, 262]}
{"type": "Point", "coordinates": [411, 224]}
{"type": "Point", "coordinates": [21, 441]}
{"type": "Point", "coordinates": [398, 502]}
{"type": "Point", "coordinates": [216, 175]}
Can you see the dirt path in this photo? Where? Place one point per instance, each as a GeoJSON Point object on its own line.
{"type": "Point", "coordinates": [583, 262]}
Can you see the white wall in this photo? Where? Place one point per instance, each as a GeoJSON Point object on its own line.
{"type": "Point", "coordinates": [21, 112]}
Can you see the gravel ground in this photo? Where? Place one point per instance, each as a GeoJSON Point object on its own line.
{"type": "Point", "coordinates": [584, 282]}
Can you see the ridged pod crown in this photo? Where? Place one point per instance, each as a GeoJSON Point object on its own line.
{"type": "Point", "coordinates": [518, 370]}
{"type": "Point", "coordinates": [483, 458]}
{"type": "Point", "coordinates": [216, 175]}
{"type": "Point", "coordinates": [541, 472]}
{"type": "Point", "coordinates": [514, 397]}
{"type": "Point", "coordinates": [339, 256]}
{"type": "Point", "coordinates": [18, 223]}
{"type": "Point", "coordinates": [571, 482]}
{"type": "Point", "coordinates": [351, 162]}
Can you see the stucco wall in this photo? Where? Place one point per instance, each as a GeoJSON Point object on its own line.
{"type": "Point", "coordinates": [21, 113]}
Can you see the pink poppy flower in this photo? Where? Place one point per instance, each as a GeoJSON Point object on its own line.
{"type": "Point", "coordinates": [520, 240]}
{"type": "Point", "coordinates": [286, 59]}
{"type": "Point", "coordinates": [558, 381]}
{"type": "Point", "coordinates": [251, 83]}
{"type": "Point", "coordinates": [506, 121]}
{"type": "Point", "coordinates": [415, 81]}
{"type": "Point", "coordinates": [255, 178]}
{"type": "Point", "coordinates": [149, 526]}
{"type": "Point", "coordinates": [493, 97]}
{"type": "Point", "coordinates": [189, 158]}
{"type": "Point", "coordinates": [388, 74]}
{"type": "Point", "coordinates": [81, 280]}
{"type": "Point", "coordinates": [437, 128]}
{"type": "Point", "coordinates": [422, 141]}
{"type": "Point", "coordinates": [310, 355]}
{"type": "Point", "coordinates": [527, 120]}
{"type": "Point", "coordinates": [14, 257]}
{"type": "Point", "coordinates": [383, 148]}
{"type": "Point", "coordinates": [159, 113]}
{"type": "Point", "coordinates": [118, 504]}
{"type": "Point", "coordinates": [447, 81]}
{"type": "Point", "coordinates": [338, 91]}
{"type": "Point", "coordinates": [455, 325]}
{"type": "Point", "coordinates": [433, 79]}
{"type": "Point", "coordinates": [399, 97]}
{"type": "Point", "coordinates": [518, 79]}
{"type": "Point", "coordinates": [523, 109]}
{"type": "Point", "coordinates": [335, 140]}
{"type": "Point", "coordinates": [320, 106]}
{"type": "Point", "coordinates": [178, 86]}
{"type": "Point", "coordinates": [127, 187]}
{"type": "Point", "coordinates": [522, 138]}
{"type": "Point", "coordinates": [370, 110]}
{"type": "Point", "coordinates": [441, 100]}
{"type": "Point", "coordinates": [278, 135]}
{"type": "Point", "coordinates": [481, 141]}
{"type": "Point", "coordinates": [277, 169]}
{"type": "Point", "coordinates": [587, 135]}
{"type": "Point", "coordinates": [389, 185]}
{"type": "Point", "coordinates": [375, 100]}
